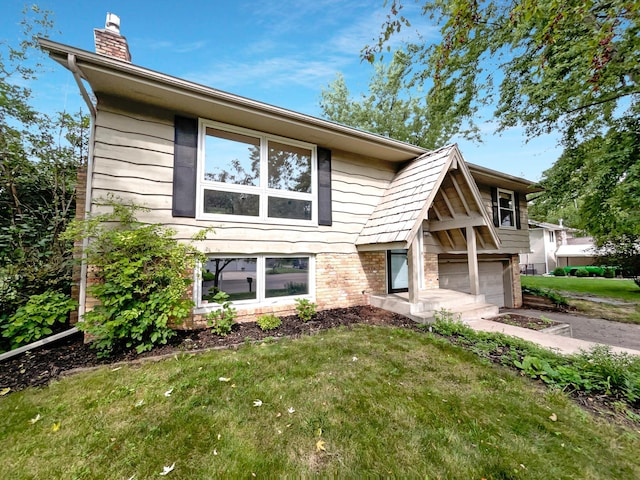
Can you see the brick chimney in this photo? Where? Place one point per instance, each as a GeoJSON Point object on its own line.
{"type": "Point", "coordinates": [109, 42]}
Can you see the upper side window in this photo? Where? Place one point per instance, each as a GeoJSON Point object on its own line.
{"type": "Point", "coordinates": [506, 208]}
{"type": "Point", "coordinates": [243, 173]}
{"type": "Point", "coordinates": [552, 236]}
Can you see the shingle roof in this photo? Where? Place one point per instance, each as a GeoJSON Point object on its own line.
{"type": "Point", "coordinates": [407, 198]}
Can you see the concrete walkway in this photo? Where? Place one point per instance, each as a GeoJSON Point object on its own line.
{"type": "Point", "coordinates": [587, 332]}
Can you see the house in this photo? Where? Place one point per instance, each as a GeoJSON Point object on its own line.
{"type": "Point", "coordinates": [302, 207]}
{"type": "Point", "coordinates": [554, 246]}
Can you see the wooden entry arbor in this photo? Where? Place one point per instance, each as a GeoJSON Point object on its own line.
{"type": "Point", "coordinates": [432, 205]}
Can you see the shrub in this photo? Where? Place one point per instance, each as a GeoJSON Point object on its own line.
{"type": "Point", "coordinates": [305, 309]}
{"type": "Point", "coordinates": [223, 319]}
{"type": "Point", "coordinates": [559, 272]}
{"type": "Point", "coordinates": [552, 295]}
{"type": "Point", "coordinates": [36, 318]}
{"type": "Point", "coordinates": [268, 322]}
{"type": "Point", "coordinates": [207, 276]}
{"type": "Point", "coordinates": [609, 272]}
{"type": "Point", "coordinates": [581, 273]}
{"type": "Point", "coordinates": [141, 280]}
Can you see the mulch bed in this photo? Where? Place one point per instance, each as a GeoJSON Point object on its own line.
{"type": "Point", "coordinates": [532, 323]}
{"type": "Point", "coordinates": [40, 366]}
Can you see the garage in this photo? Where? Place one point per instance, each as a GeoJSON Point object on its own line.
{"type": "Point", "coordinates": [454, 275]}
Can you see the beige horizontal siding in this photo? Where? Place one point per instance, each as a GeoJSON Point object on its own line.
{"type": "Point", "coordinates": [133, 159]}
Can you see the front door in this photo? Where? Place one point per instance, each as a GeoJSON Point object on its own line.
{"type": "Point", "coordinates": [397, 271]}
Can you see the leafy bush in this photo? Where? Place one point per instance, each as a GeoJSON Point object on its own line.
{"type": "Point", "coordinates": [141, 282]}
{"type": "Point", "coordinates": [305, 309]}
{"type": "Point", "coordinates": [552, 295]}
{"type": "Point", "coordinates": [268, 322]}
{"type": "Point", "coordinates": [559, 272]}
{"type": "Point", "coordinates": [609, 272]}
{"type": "Point", "coordinates": [596, 372]}
{"type": "Point", "coordinates": [581, 273]}
{"type": "Point", "coordinates": [223, 319]}
{"type": "Point", "coordinates": [36, 318]}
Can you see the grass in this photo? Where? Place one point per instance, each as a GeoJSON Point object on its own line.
{"type": "Point", "coordinates": [367, 401]}
{"type": "Point", "coordinates": [620, 290]}
{"type": "Point", "coordinates": [624, 290]}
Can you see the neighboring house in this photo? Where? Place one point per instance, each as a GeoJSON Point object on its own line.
{"type": "Point", "coordinates": [302, 207]}
{"type": "Point", "coordinates": [555, 246]}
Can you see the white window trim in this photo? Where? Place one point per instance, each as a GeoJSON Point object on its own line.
{"type": "Point", "coordinates": [263, 191]}
{"type": "Point", "coordinates": [261, 300]}
{"type": "Point", "coordinates": [513, 209]}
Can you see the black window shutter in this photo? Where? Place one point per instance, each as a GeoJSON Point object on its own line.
{"type": "Point", "coordinates": [185, 159]}
{"type": "Point", "coordinates": [516, 197]}
{"type": "Point", "coordinates": [494, 206]}
{"type": "Point", "coordinates": [324, 186]}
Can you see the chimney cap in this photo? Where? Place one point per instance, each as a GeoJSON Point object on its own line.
{"type": "Point", "coordinates": [113, 23]}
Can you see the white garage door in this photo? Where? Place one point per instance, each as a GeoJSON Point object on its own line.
{"type": "Point", "coordinates": [455, 276]}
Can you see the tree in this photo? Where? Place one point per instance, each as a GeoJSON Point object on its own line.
{"type": "Point", "coordinates": [598, 181]}
{"type": "Point", "coordinates": [571, 66]}
{"type": "Point", "coordinates": [395, 109]}
{"type": "Point", "coordinates": [39, 155]}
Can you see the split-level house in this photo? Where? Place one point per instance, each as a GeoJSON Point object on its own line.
{"type": "Point", "coordinates": [301, 207]}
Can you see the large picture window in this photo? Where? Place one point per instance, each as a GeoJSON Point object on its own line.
{"type": "Point", "coordinates": [254, 279]}
{"type": "Point", "coordinates": [246, 174]}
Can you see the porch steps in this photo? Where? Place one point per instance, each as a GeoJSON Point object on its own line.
{"type": "Point", "coordinates": [461, 305]}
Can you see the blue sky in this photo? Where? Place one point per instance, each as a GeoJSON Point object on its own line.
{"type": "Point", "coordinates": [279, 52]}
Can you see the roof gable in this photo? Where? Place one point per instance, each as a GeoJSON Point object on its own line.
{"type": "Point", "coordinates": [406, 202]}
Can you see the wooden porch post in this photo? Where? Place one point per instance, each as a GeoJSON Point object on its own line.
{"type": "Point", "coordinates": [472, 260]}
{"type": "Point", "coordinates": [413, 259]}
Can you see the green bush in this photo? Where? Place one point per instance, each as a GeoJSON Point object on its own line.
{"type": "Point", "coordinates": [36, 318]}
{"type": "Point", "coordinates": [552, 295]}
{"type": "Point", "coordinates": [305, 309]}
{"type": "Point", "coordinates": [268, 322]}
{"type": "Point", "coordinates": [559, 272]}
{"type": "Point", "coordinates": [609, 272]}
{"type": "Point", "coordinates": [223, 319]}
{"type": "Point", "coordinates": [207, 276]}
{"type": "Point", "coordinates": [582, 273]}
{"type": "Point", "coordinates": [141, 280]}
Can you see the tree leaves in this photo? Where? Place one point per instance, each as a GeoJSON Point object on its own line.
{"type": "Point", "coordinates": [571, 66]}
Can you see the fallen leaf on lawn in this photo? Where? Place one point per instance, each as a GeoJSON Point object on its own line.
{"type": "Point", "coordinates": [354, 359]}
{"type": "Point", "coordinates": [166, 470]}
{"type": "Point", "coordinates": [55, 427]}
{"type": "Point", "coordinates": [320, 446]}
{"type": "Point", "coordinates": [278, 415]}
{"type": "Point", "coordinates": [257, 403]}
{"type": "Point", "coordinates": [553, 417]}
{"type": "Point", "coordinates": [115, 369]}
{"type": "Point", "coordinates": [319, 432]}
{"type": "Point", "coordinates": [523, 466]}
{"type": "Point", "coordinates": [35, 419]}
{"type": "Point", "coordinates": [4, 391]}
{"type": "Point", "coordinates": [139, 403]}
{"type": "Point", "coordinates": [168, 392]}
{"type": "Point", "coordinates": [215, 452]}
{"type": "Point", "coordinates": [219, 436]}
{"type": "Point", "coordinates": [291, 410]}
{"type": "Point", "coordinates": [224, 379]}
{"type": "Point", "coordinates": [279, 432]}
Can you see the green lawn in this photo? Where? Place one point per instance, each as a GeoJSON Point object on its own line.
{"type": "Point", "coordinates": [361, 402]}
{"type": "Point", "coordinates": [625, 290]}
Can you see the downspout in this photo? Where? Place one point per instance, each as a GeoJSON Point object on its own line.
{"type": "Point", "coordinates": [75, 70]}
